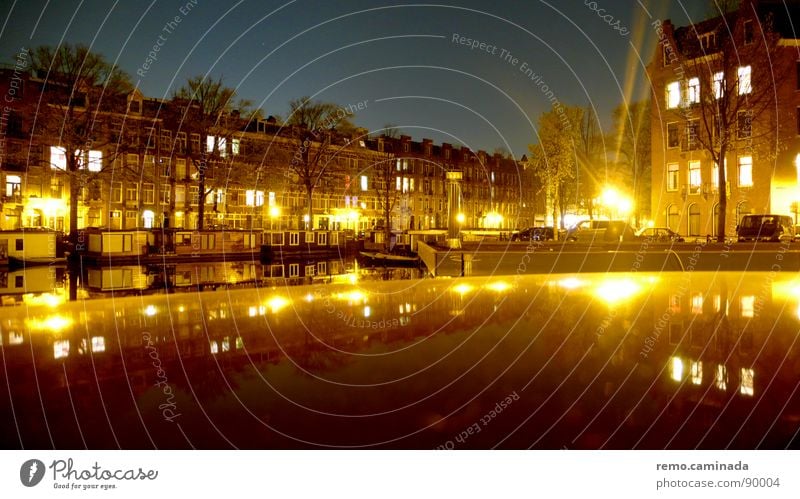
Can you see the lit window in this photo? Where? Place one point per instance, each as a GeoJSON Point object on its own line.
{"type": "Point", "coordinates": [718, 82]}
{"type": "Point", "coordinates": [673, 95]}
{"type": "Point", "coordinates": [747, 387]}
{"type": "Point", "coordinates": [13, 185]}
{"type": "Point", "coordinates": [95, 161]}
{"type": "Point", "coordinates": [271, 198]}
{"type": "Point", "coordinates": [694, 90]}
{"type": "Point", "coordinates": [747, 306]}
{"type": "Point", "coordinates": [58, 158]}
{"type": "Point", "coordinates": [695, 178]}
{"type": "Point", "coordinates": [672, 177]}
{"type": "Point", "coordinates": [745, 171]}
{"type": "Point", "coordinates": [721, 378]}
{"type": "Point", "coordinates": [696, 372]}
{"type": "Point", "coordinates": [676, 369]}
{"type": "Point", "coordinates": [235, 146]}
{"type": "Point", "coordinates": [398, 183]}
{"type": "Point", "coordinates": [60, 349]}
{"type": "Point", "coordinates": [98, 344]}
{"type": "Point", "coordinates": [254, 198]}
{"type": "Point", "coordinates": [744, 80]}
{"type": "Point", "coordinates": [364, 183]}
{"type": "Point", "coordinates": [220, 144]}
{"type": "Point", "coordinates": [697, 303]}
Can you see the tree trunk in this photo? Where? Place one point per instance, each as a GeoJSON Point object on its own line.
{"type": "Point", "coordinates": [201, 203]}
{"type": "Point", "coordinates": [723, 194]}
{"type": "Point", "coordinates": [309, 206]}
{"type": "Point", "coordinates": [555, 211]}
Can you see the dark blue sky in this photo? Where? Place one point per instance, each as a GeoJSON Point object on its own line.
{"type": "Point", "coordinates": [397, 56]}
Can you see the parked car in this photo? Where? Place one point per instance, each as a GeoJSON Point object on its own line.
{"type": "Point", "coordinates": [659, 235]}
{"type": "Point", "coordinates": [601, 231]}
{"type": "Point", "coordinates": [765, 227]}
{"type": "Point", "coordinates": [534, 234]}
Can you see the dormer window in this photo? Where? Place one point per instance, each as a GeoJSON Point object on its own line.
{"type": "Point", "coordinates": [707, 41]}
{"type": "Point", "coordinates": [135, 107]}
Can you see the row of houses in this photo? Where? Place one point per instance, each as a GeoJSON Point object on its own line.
{"type": "Point", "coordinates": [144, 173]}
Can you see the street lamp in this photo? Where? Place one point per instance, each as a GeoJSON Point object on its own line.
{"type": "Point", "coordinates": [274, 212]}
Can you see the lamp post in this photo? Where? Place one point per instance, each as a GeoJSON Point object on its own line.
{"type": "Point", "coordinates": [453, 209]}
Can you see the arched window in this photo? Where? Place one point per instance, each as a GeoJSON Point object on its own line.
{"type": "Point", "coordinates": [673, 217]}
{"type": "Point", "coordinates": [715, 220]}
{"type": "Point", "coordinates": [694, 219]}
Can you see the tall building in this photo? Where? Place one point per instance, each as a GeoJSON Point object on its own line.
{"type": "Point", "coordinates": [732, 80]}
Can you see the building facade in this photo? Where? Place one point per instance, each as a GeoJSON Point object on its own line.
{"type": "Point", "coordinates": [145, 174]}
{"type": "Point", "coordinates": [740, 70]}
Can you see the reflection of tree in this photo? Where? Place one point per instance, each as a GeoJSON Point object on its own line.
{"type": "Point", "coordinates": [316, 357]}
{"type": "Point", "coordinates": [203, 375]}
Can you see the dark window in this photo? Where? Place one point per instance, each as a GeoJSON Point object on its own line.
{"type": "Point", "coordinates": [690, 141]}
{"type": "Point", "coordinates": [748, 32]}
{"type": "Point", "coordinates": [19, 281]}
{"type": "Point", "coordinates": [19, 244]}
{"type": "Point", "coordinates": [673, 135]}
{"type": "Point", "coordinates": [798, 121]}
{"type": "Point", "coordinates": [744, 127]}
{"type": "Point", "coordinates": [797, 77]}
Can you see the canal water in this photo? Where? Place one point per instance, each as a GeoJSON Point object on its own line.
{"type": "Point", "coordinates": [584, 361]}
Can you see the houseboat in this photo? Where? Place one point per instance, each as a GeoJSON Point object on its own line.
{"type": "Point", "coordinates": [116, 246]}
{"type": "Point", "coordinates": [313, 244]}
{"type": "Point", "coordinates": [31, 247]}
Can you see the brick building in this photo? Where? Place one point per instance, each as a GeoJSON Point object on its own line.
{"type": "Point", "coordinates": [144, 174]}
{"type": "Point", "coordinates": [722, 69]}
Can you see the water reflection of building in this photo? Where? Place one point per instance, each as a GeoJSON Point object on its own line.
{"type": "Point", "coordinates": [726, 336]}
{"type": "Point", "coordinates": [573, 342]}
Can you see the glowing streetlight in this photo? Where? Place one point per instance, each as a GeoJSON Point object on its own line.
{"type": "Point", "coordinates": [461, 218]}
{"type": "Point", "coordinates": [274, 212]}
{"type": "Point", "coordinates": [616, 203]}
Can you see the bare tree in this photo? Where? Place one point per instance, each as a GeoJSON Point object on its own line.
{"type": "Point", "coordinates": [317, 127]}
{"type": "Point", "coordinates": [384, 183]}
{"type": "Point", "coordinates": [78, 89]}
{"type": "Point", "coordinates": [207, 108]}
{"type": "Point", "coordinates": [632, 148]}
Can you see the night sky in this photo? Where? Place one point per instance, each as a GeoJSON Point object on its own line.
{"type": "Point", "coordinates": [397, 58]}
